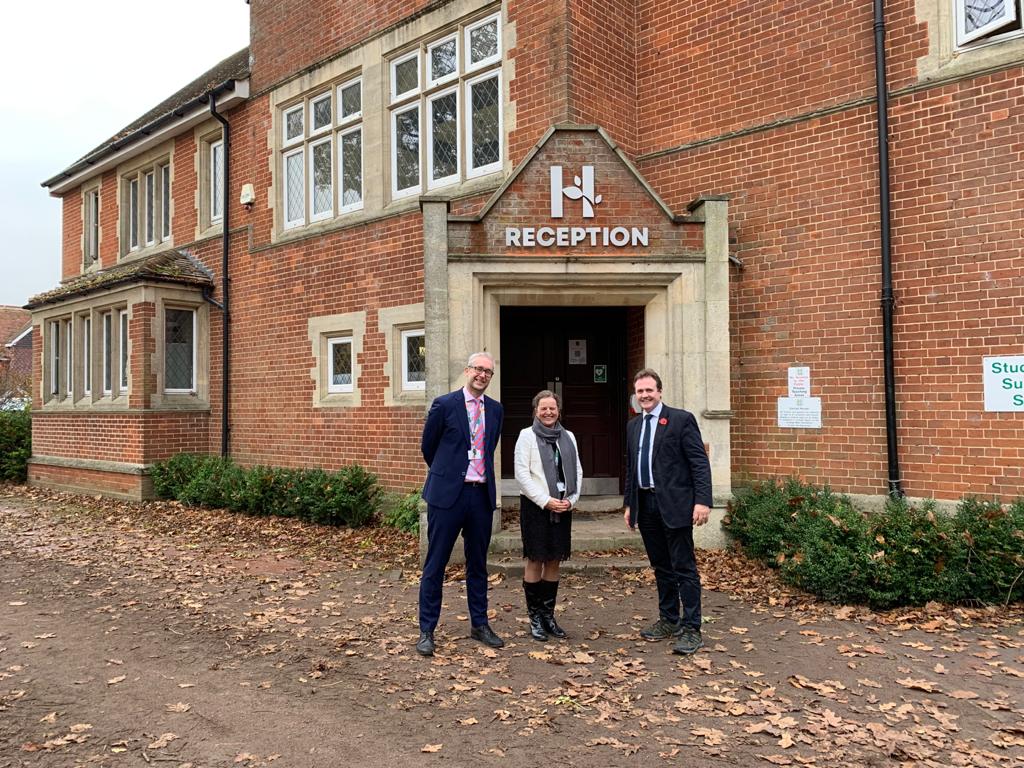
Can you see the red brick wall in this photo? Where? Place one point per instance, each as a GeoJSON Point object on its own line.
{"type": "Point", "coordinates": [133, 438]}
{"type": "Point", "coordinates": [290, 35]}
{"type": "Point", "coordinates": [602, 65]}
{"type": "Point", "coordinates": [131, 486]}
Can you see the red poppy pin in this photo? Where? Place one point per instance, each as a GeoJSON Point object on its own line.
{"type": "Point", "coordinates": [663, 421]}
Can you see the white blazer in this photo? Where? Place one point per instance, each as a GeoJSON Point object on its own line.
{"type": "Point", "coordinates": [530, 472]}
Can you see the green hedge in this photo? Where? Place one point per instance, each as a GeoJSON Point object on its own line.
{"type": "Point", "coordinates": [403, 513]}
{"type": "Point", "coordinates": [351, 496]}
{"type": "Point", "coordinates": [904, 555]}
{"type": "Point", "coordinates": [15, 445]}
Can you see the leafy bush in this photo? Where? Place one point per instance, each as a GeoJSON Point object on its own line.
{"type": "Point", "coordinates": [403, 513]}
{"type": "Point", "coordinates": [904, 555]}
{"type": "Point", "coordinates": [15, 445]}
{"type": "Point", "coordinates": [351, 496]}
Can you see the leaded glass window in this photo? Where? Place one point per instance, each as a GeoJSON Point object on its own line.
{"type": "Point", "coordinates": [405, 76]}
{"type": "Point", "coordinates": [340, 370]}
{"type": "Point", "coordinates": [294, 126]}
{"type": "Point", "coordinates": [351, 100]}
{"type": "Point", "coordinates": [407, 150]}
{"type": "Point", "coordinates": [482, 43]}
{"type": "Point", "coordinates": [443, 59]}
{"type": "Point", "coordinates": [165, 201]}
{"type": "Point", "coordinates": [351, 145]}
{"type": "Point", "coordinates": [294, 188]}
{"type": "Point", "coordinates": [322, 113]}
{"type": "Point", "coordinates": [414, 360]}
{"type": "Point", "coordinates": [321, 178]}
{"type": "Point", "coordinates": [216, 181]}
{"type": "Point", "coordinates": [444, 138]}
{"type": "Point", "coordinates": [485, 123]}
{"type": "Point", "coordinates": [978, 20]}
{"type": "Point", "coordinates": [108, 352]}
{"type": "Point", "coordinates": [179, 350]}
{"type": "Point", "coordinates": [123, 347]}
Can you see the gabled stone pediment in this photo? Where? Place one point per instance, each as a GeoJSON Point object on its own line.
{"type": "Point", "coordinates": [575, 194]}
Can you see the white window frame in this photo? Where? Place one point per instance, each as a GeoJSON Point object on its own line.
{"type": "Point", "coordinates": [483, 170]}
{"type": "Point", "coordinates": [470, 65]}
{"type": "Point", "coordinates": [332, 342]}
{"type": "Point", "coordinates": [395, 63]}
{"type": "Point", "coordinates": [311, 179]}
{"type": "Point", "coordinates": [69, 358]}
{"type": "Point", "coordinates": [451, 178]}
{"type": "Point", "coordinates": [428, 65]}
{"type": "Point", "coordinates": [86, 355]}
{"type": "Point", "coordinates": [165, 202]}
{"type": "Point", "coordinates": [149, 177]}
{"type": "Point", "coordinates": [92, 226]}
{"type": "Point", "coordinates": [410, 386]}
{"type": "Point", "coordinates": [133, 213]}
{"type": "Point", "coordinates": [285, 141]}
{"type": "Point", "coordinates": [342, 208]}
{"type": "Point", "coordinates": [107, 341]}
{"type": "Point", "coordinates": [122, 348]}
{"type": "Point", "coordinates": [313, 130]}
{"type": "Point", "coordinates": [415, 189]}
{"type": "Point", "coordinates": [216, 200]}
{"type": "Point", "coordinates": [55, 357]}
{"type": "Point", "coordinates": [290, 223]}
{"type": "Point", "coordinates": [340, 118]}
{"type": "Point", "coordinates": [964, 38]}
{"type": "Point", "coordinates": [195, 344]}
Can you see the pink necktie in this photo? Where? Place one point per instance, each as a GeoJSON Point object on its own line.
{"type": "Point", "coordinates": [477, 433]}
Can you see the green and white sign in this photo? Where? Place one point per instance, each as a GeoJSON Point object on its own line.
{"type": "Point", "coordinates": [1004, 382]}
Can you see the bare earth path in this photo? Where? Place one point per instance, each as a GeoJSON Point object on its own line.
{"type": "Point", "coordinates": [154, 634]}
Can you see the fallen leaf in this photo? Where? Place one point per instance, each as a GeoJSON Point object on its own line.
{"type": "Point", "coordinates": [431, 748]}
{"type": "Point", "coordinates": [179, 707]}
{"type": "Point", "coordinates": [116, 680]}
{"type": "Point", "coordinates": [163, 741]}
{"type": "Point", "coordinates": [918, 685]}
{"type": "Point", "coordinates": [962, 695]}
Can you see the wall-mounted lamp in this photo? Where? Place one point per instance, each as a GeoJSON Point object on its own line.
{"type": "Point", "coordinates": [248, 196]}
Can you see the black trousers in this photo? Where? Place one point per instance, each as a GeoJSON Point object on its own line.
{"type": "Point", "coordinates": [670, 551]}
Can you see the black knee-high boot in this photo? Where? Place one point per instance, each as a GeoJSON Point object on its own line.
{"type": "Point", "coordinates": [534, 609]}
{"type": "Point", "coordinates": [549, 594]}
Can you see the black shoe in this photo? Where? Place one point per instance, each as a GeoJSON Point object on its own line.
{"type": "Point", "coordinates": [486, 635]}
{"type": "Point", "coordinates": [689, 642]}
{"type": "Point", "coordinates": [549, 595]}
{"type": "Point", "coordinates": [661, 630]}
{"type": "Point", "coordinates": [425, 645]}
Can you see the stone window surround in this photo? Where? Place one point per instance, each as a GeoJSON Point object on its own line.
{"type": "Point", "coordinates": [370, 62]}
{"type": "Point", "coordinates": [319, 331]}
{"type": "Point", "coordinates": [137, 167]}
{"type": "Point", "coordinates": [75, 313]}
{"type": "Point", "coordinates": [165, 297]}
{"type": "Point", "coordinates": [945, 59]}
{"type": "Point", "coordinates": [392, 321]}
{"type": "Point", "coordinates": [205, 135]}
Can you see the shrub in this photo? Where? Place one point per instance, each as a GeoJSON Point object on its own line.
{"type": "Point", "coordinates": [404, 513]}
{"type": "Point", "coordinates": [351, 496]}
{"type": "Point", "coordinates": [15, 445]}
{"type": "Point", "coordinates": [904, 555]}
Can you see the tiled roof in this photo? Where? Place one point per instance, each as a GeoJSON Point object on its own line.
{"type": "Point", "coordinates": [13, 322]}
{"type": "Point", "coordinates": [171, 266]}
{"type": "Point", "coordinates": [234, 67]}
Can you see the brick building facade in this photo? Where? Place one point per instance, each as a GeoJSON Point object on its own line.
{"type": "Point", "coordinates": [579, 188]}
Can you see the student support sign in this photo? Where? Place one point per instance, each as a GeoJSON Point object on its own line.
{"type": "Point", "coordinates": [1004, 383]}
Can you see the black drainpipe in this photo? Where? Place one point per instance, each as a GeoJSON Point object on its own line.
{"type": "Point", "coordinates": [888, 300]}
{"type": "Point", "coordinates": [225, 335]}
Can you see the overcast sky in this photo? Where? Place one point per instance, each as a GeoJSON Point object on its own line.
{"type": "Point", "coordinates": [74, 73]}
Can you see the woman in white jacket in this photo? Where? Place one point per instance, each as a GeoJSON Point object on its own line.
{"type": "Point", "coordinates": [550, 476]}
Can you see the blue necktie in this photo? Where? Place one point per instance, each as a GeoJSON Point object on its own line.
{"type": "Point", "coordinates": [645, 453]}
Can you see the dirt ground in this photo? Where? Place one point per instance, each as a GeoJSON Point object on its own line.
{"type": "Point", "coordinates": [155, 634]}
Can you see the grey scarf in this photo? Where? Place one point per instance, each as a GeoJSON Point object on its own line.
{"type": "Point", "coordinates": [547, 439]}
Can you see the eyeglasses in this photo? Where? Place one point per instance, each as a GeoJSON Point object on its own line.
{"type": "Point", "coordinates": [480, 370]}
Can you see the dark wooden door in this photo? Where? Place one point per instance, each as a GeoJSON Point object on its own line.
{"type": "Point", "coordinates": [581, 353]}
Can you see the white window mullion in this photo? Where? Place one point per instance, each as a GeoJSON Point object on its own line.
{"type": "Point", "coordinates": [55, 357]}
{"type": "Point", "coordinates": [86, 356]}
{"type": "Point", "coordinates": [122, 347]}
{"type": "Point", "coordinates": [108, 359]}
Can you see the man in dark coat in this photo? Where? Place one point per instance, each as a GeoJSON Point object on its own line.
{"type": "Point", "coordinates": [459, 438]}
{"type": "Point", "coordinates": [668, 491]}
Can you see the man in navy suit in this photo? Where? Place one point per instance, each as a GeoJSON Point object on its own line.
{"type": "Point", "coordinates": [459, 438]}
{"type": "Point", "coordinates": [668, 491]}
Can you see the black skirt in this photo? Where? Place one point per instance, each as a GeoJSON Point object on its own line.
{"type": "Point", "coordinates": [542, 539]}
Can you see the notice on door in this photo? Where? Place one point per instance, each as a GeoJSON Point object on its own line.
{"type": "Point", "coordinates": [800, 412]}
{"type": "Point", "coordinates": [1004, 382]}
{"type": "Point", "coordinates": [577, 351]}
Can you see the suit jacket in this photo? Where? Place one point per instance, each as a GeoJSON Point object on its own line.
{"type": "Point", "coordinates": [446, 444]}
{"type": "Point", "coordinates": [679, 463]}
